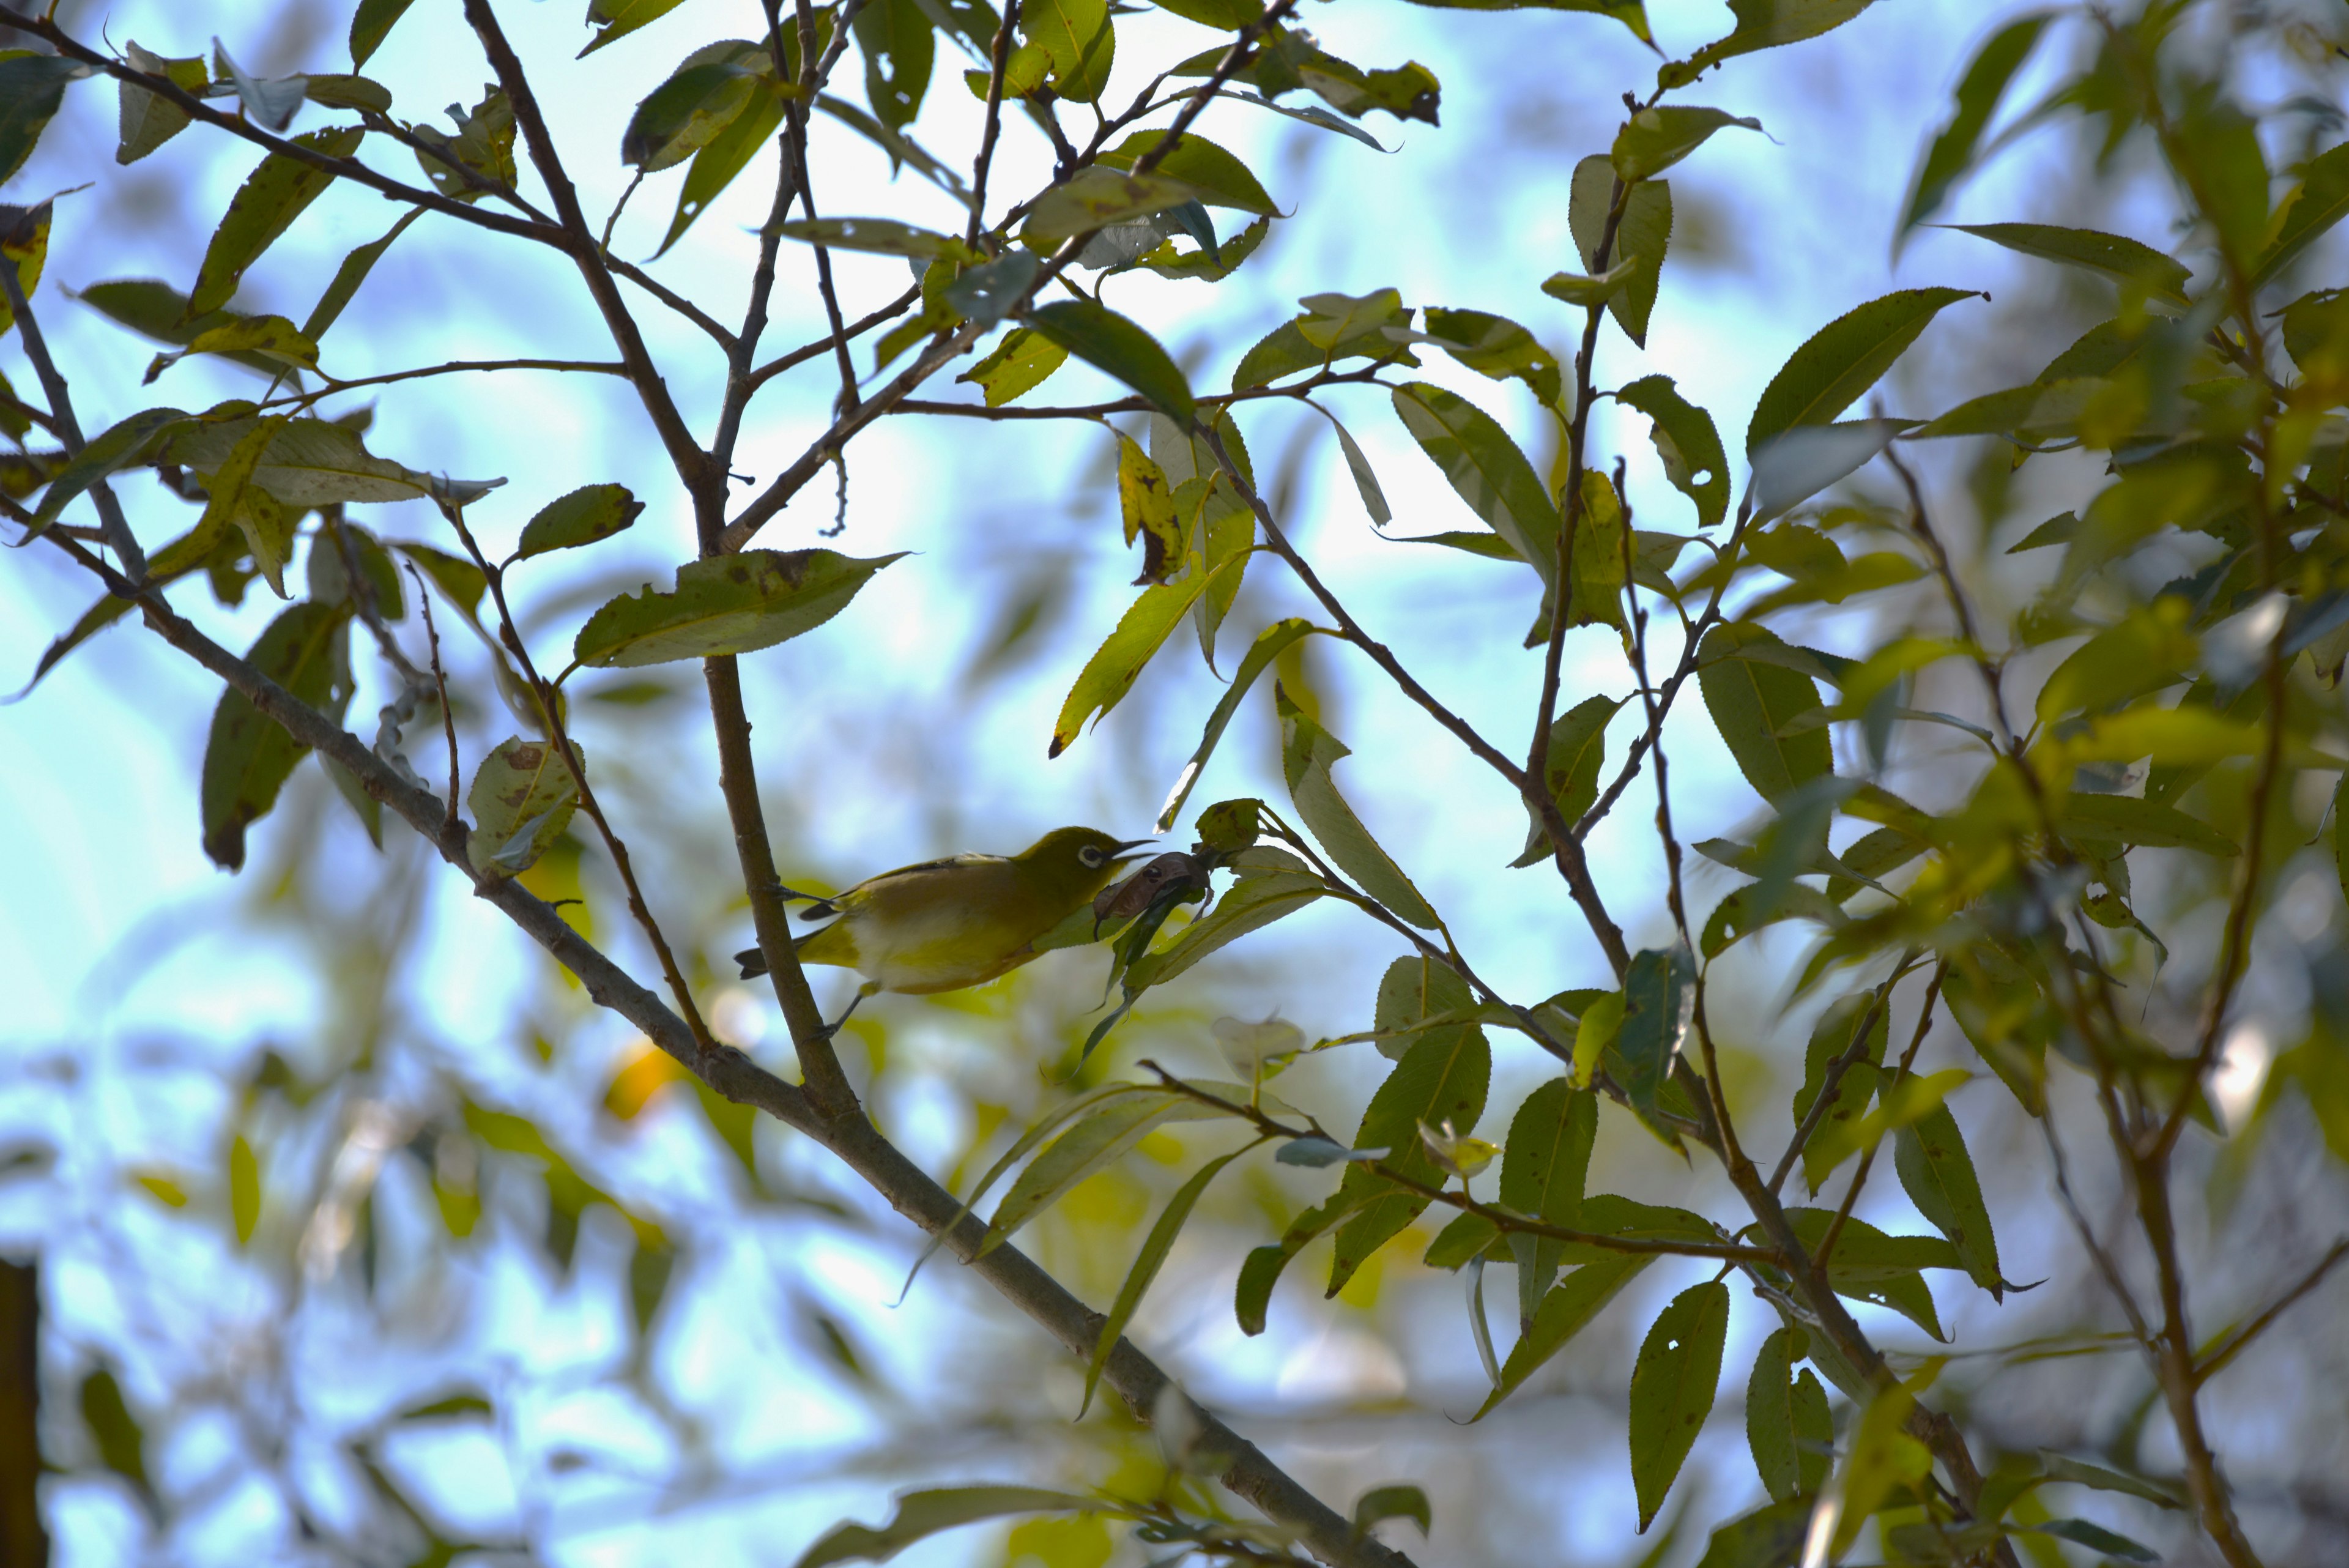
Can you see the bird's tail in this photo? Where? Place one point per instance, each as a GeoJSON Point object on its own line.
{"type": "Point", "coordinates": [754, 959]}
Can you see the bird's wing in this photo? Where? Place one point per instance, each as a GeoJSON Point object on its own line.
{"type": "Point", "coordinates": [872, 884]}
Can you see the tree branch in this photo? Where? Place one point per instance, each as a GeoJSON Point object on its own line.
{"type": "Point", "coordinates": [853, 1139]}
{"type": "Point", "coordinates": [196, 108]}
{"type": "Point", "coordinates": [693, 465]}
{"type": "Point", "coordinates": [69, 429]}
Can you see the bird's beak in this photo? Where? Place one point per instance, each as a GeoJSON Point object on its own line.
{"type": "Point", "coordinates": [1130, 843]}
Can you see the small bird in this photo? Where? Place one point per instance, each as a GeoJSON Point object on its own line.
{"type": "Point", "coordinates": [946, 924]}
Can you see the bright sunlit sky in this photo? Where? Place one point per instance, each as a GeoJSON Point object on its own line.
{"type": "Point", "coordinates": [864, 726]}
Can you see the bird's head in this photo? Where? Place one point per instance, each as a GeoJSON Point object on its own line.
{"type": "Point", "coordinates": [1081, 859]}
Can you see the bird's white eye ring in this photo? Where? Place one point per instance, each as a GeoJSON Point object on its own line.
{"type": "Point", "coordinates": [1092, 855]}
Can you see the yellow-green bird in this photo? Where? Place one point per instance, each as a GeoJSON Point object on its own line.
{"type": "Point", "coordinates": [946, 924]}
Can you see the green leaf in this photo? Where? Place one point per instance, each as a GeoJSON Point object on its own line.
{"type": "Point", "coordinates": [1762, 25]}
{"type": "Point", "coordinates": [1146, 1264]}
{"type": "Point", "coordinates": [1633, 14]}
{"type": "Point", "coordinates": [1977, 98]}
{"type": "Point", "coordinates": [457, 578]}
{"type": "Point", "coordinates": [2063, 1468]}
{"type": "Point", "coordinates": [1543, 1168]}
{"type": "Point", "coordinates": [2096, 1538]}
{"type": "Point", "coordinates": [1496, 347]}
{"type": "Point", "coordinates": [147, 120]}
{"type": "Point", "coordinates": [1642, 237]}
{"type": "Point", "coordinates": [230, 503]}
{"type": "Point", "coordinates": [1754, 704]}
{"type": "Point", "coordinates": [1882, 1455]}
{"type": "Point", "coordinates": [1119, 661]}
{"type": "Point", "coordinates": [1486, 468]}
{"type": "Point", "coordinates": [1659, 1003]}
{"type": "Point", "coordinates": [1146, 503]}
{"type": "Point", "coordinates": [273, 339]}
{"type": "Point", "coordinates": [1219, 179]}
{"type": "Point", "coordinates": [1842, 360]}
{"type": "Point", "coordinates": [1937, 1174]}
{"type": "Point", "coordinates": [618, 19]}
{"type": "Point", "coordinates": [1688, 443]}
{"type": "Point", "coordinates": [1109, 342]}
{"type": "Point", "coordinates": [2115, 256]}
{"type": "Point", "coordinates": [1897, 1105]}
{"type": "Point", "coordinates": [2319, 201]}
{"type": "Point", "coordinates": [119, 446]}
{"type": "Point", "coordinates": [1577, 750]}
{"type": "Point", "coordinates": [1366, 482]}
{"type": "Point", "coordinates": [1019, 364]}
{"type": "Point", "coordinates": [334, 91]}
{"type": "Point", "coordinates": [1831, 1037]}
{"type": "Point", "coordinates": [244, 1188]}
{"type": "Point", "coordinates": [1398, 1501]}
{"type": "Point", "coordinates": [882, 237]}
{"type": "Point", "coordinates": [1252, 903]}
{"type": "Point", "coordinates": [1672, 1384]}
{"type": "Point", "coordinates": [1441, 1080]}
{"type": "Point", "coordinates": [1770, 1413]}
{"type": "Point", "coordinates": [1563, 1313]}
{"type": "Point", "coordinates": [1269, 645]}
{"type": "Point", "coordinates": [350, 275]}
{"type": "Point", "coordinates": [1308, 752]}
{"type": "Point", "coordinates": [1222, 14]}
{"type": "Point", "coordinates": [1655, 138]}
{"type": "Point", "coordinates": [309, 462]}
{"type": "Point", "coordinates": [727, 604]}
{"type": "Point", "coordinates": [900, 48]}
{"type": "Point", "coordinates": [1077, 37]}
{"type": "Point", "coordinates": [247, 756]}
{"type": "Point", "coordinates": [1262, 1267]}
{"type": "Point", "coordinates": [727, 154]}
{"type": "Point", "coordinates": [2124, 819]}
{"type": "Point", "coordinates": [1313, 341]}
{"type": "Point", "coordinates": [521, 798]}
{"type": "Point", "coordinates": [122, 1444]}
{"type": "Point", "coordinates": [922, 1514]}
{"type": "Point", "coordinates": [708, 89]}
{"type": "Point", "coordinates": [1103, 1133]}
{"type": "Point", "coordinates": [1769, 1537]}
{"type": "Point", "coordinates": [2216, 148]}
{"type": "Point", "coordinates": [272, 197]}
{"type": "Point", "coordinates": [590, 512]}
{"type": "Point", "coordinates": [32, 87]}
{"type": "Point", "coordinates": [370, 22]}
{"type": "Point", "coordinates": [1415, 990]}
{"type": "Point", "coordinates": [1870, 1266]}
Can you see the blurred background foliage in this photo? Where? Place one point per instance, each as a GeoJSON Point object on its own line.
{"type": "Point", "coordinates": [364, 1237]}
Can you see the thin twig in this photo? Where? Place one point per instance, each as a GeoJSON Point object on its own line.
{"type": "Point", "coordinates": [1868, 1159]}
{"type": "Point", "coordinates": [691, 464]}
{"type": "Point", "coordinates": [550, 707]}
{"type": "Point", "coordinates": [1501, 1219]}
{"type": "Point", "coordinates": [118, 535]}
{"type": "Point", "coordinates": [454, 367]}
{"type": "Point", "coordinates": [824, 345]}
{"type": "Point", "coordinates": [2237, 1343]}
{"type": "Point", "coordinates": [1844, 1062]}
{"type": "Point", "coordinates": [440, 679]}
{"type": "Point", "coordinates": [999, 55]}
